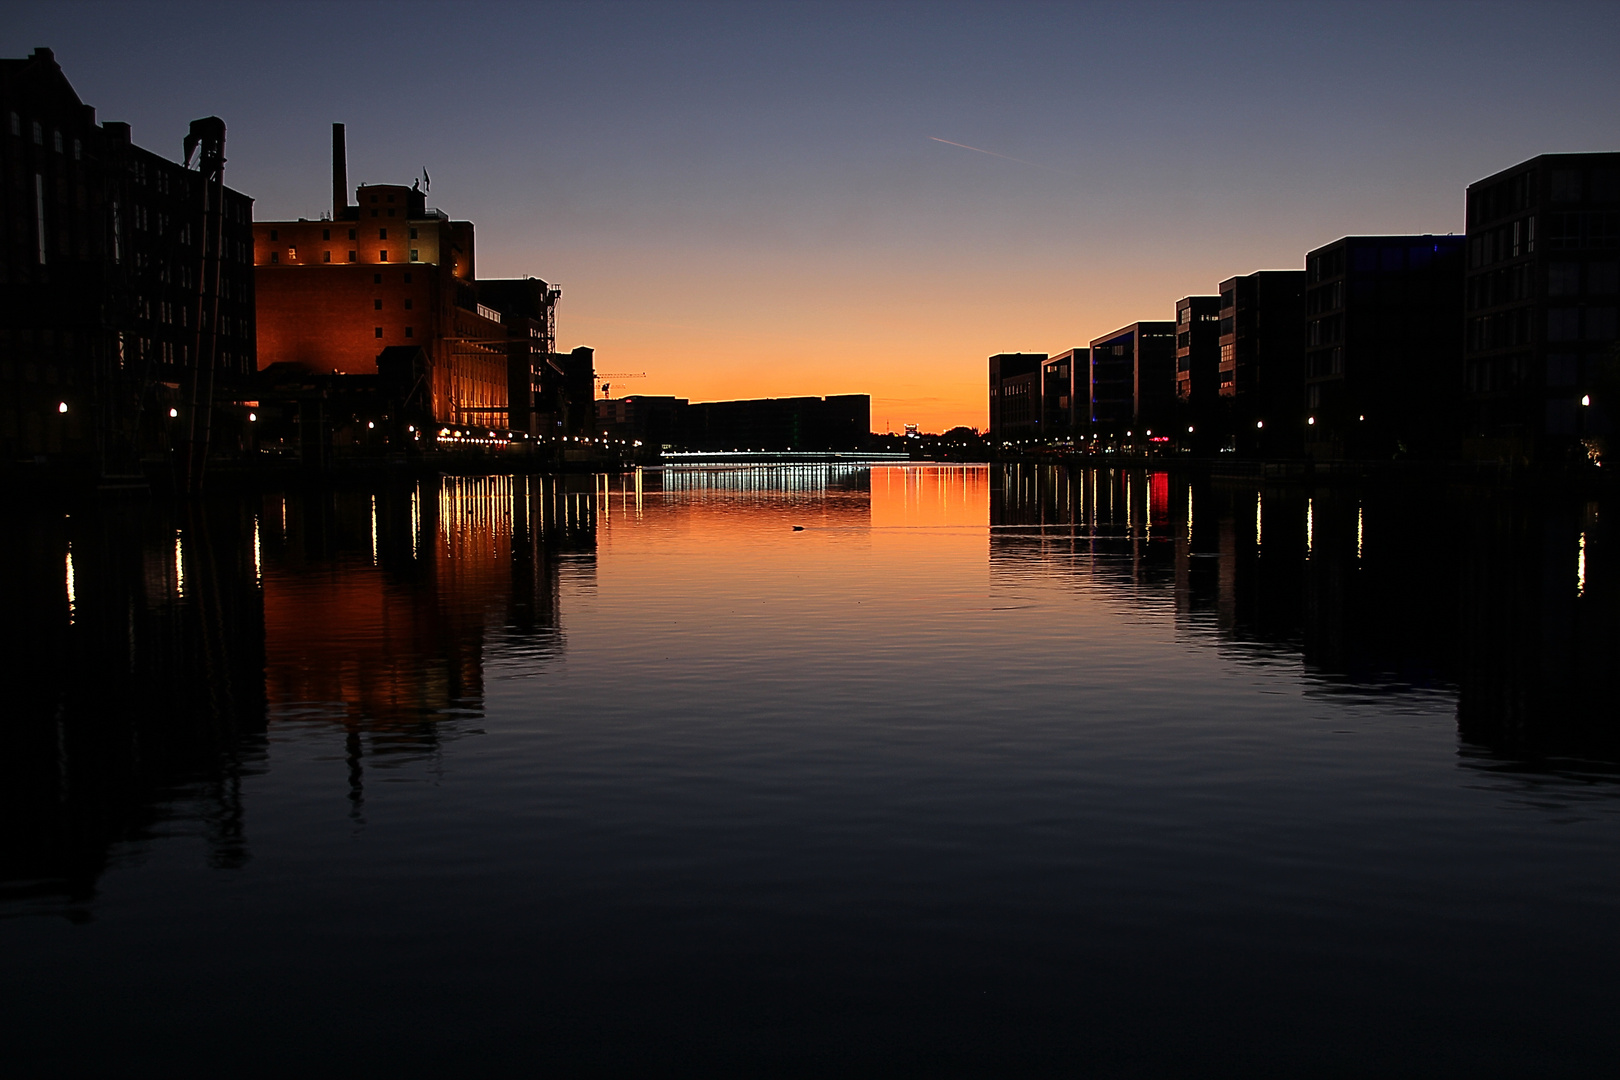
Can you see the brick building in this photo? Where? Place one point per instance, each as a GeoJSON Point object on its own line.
{"type": "Point", "coordinates": [114, 311]}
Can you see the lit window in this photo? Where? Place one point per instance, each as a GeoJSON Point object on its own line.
{"type": "Point", "coordinates": [378, 332]}
{"type": "Point", "coordinates": [292, 253]}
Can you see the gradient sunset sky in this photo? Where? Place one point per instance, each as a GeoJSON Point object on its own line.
{"type": "Point", "coordinates": [754, 199]}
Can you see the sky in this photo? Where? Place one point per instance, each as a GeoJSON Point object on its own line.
{"type": "Point", "coordinates": [764, 199]}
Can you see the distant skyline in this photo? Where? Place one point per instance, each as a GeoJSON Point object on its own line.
{"type": "Point", "coordinates": [766, 200]}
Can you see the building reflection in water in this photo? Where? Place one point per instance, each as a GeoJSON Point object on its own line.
{"type": "Point", "coordinates": [153, 650]}
{"type": "Point", "coordinates": [1505, 599]}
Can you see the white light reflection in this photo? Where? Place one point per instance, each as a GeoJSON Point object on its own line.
{"type": "Point", "coordinates": [416, 517]}
{"type": "Point", "coordinates": [374, 530]}
{"type": "Point", "coordinates": [258, 554]}
{"type": "Point", "coordinates": [1580, 568]}
{"type": "Point", "coordinates": [1310, 525]}
{"type": "Point", "coordinates": [179, 566]}
{"type": "Point", "coordinates": [1189, 510]}
{"type": "Point", "coordinates": [1358, 532]}
{"type": "Point", "coordinates": [1257, 519]}
{"type": "Point", "coordinates": [72, 596]}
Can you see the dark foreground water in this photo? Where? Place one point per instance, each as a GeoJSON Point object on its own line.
{"type": "Point", "coordinates": [984, 771]}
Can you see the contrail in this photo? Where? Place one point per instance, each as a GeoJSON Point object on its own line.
{"type": "Point", "coordinates": [992, 153]}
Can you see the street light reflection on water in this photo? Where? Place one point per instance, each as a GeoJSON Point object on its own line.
{"type": "Point", "coordinates": [1019, 760]}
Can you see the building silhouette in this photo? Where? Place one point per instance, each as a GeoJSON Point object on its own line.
{"type": "Point", "coordinates": [1383, 352]}
{"type": "Point", "coordinates": [1061, 375]}
{"type": "Point", "coordinates": [1133, 379]}
{"type": "Point", "coordinates": [1543, 276]}
{"type": "Point", "coordinates": [1015, 396]}
{"type": "Point", "coordinates": [1262, 359]}
{"type": "Point", "coordinates": [1198, 361]}
{"type": "Point", "coordinates": [126, 289]}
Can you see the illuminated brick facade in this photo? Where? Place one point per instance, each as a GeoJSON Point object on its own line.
{"type": "Point", "coordinates": [390, 271]}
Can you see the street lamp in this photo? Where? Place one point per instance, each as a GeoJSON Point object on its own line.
{"type": "Point", "coordinates": [61, 407]}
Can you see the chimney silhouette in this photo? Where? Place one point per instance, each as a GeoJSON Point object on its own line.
{"type": "Point", "coordinates": [340, 174]}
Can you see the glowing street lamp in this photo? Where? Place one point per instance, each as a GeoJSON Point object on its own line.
{"type": "Point", "coordinates": [61, 407]}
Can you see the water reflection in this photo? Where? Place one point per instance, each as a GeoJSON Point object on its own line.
{"type": "Point", "coordinates": [149, 674]}
{"type": "Point", "coordinates": [1505, 599]}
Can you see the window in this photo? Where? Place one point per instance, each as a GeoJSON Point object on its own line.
{"type": "Point", "coordinates": [16, 125]}
{"type": "Point", "coordinates": [1603, 277]}
{"type": "Point", "coordinates": [326, 256]}
{"type": "Point", "coordinates": [409, 332]}
{"type": "Point", "coordinates": [351, 256]}
{"type": "Point", "coordinates": [390, 211]}
{"type": "Point", "coordinates": [275, 256]}
{"type": "Point", "coordinates": [351, 234]}
{"type": "Point", "coordinates": [409, 304]}
{"type": "Point", "coordinates": [374, 213]}
{"type": "Point", "coordinates": [413, 234]}
{"type": "Point", "coordinates": [1563, 324]}
{"type": "Point", "coordinates": [415, 256]}
{"type": "Point", "coordinates": [39, 134]}
{"type": "Point", "coordinates": [376, 305]}
{"type": "Point", "coordinates": [292, 253]}
{"type": "Point", "coordinates": [1566, 185]}
{"type": "Point", "coordinates": [56, 140]}
{"type": "Point", "coordinates": [382, 256]}
{"type": "Point", "coordinates": [374, 198]}
{"type": "Point", "coordinates": [1563, 279]}
{"type": "Point", "coordinates": [376, 279]}
{"type": "Point", "coordinates": [407, 278]}
{"type": "Point", "coordinates": [78, 150]}
{"type": "Point", "coordinates": [326, 234]}
{"type": "Point", "coordinates": [382, 234]}
{"type": "Point", "coordinates": [377, 332]}
{"type": "Point", "coordinates": [390, 196]}
{"type": "Point", "coordinates": [274, 235]}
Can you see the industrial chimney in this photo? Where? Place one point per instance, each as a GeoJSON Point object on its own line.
{"type": "Point", "coordinates": [340, 175]}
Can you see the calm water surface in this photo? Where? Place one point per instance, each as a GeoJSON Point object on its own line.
{"type": "Point", "coordinates": [925, 769]}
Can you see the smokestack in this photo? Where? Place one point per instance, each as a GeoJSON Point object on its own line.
{"type": "Point", "coordinates": [340, 174]}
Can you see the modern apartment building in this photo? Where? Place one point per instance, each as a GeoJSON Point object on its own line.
{"type": "Point", "coordinates": [1015, 396]}
{"type": "Point", "coordinates": [1133, 380]}
{"type": "Point", "coordinates": [1383, 351]}
{"type": "Point", "coordinates": [1060, 377]}
{"type": "Point", "coordinates": [1198, 361]}
{"type": "Point", "coordinates": [1542, 290]}
{"type": "Point", "coordinates": [1262, 360]}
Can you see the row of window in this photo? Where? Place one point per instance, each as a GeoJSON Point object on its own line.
{"type": "Point", "coordinates": [326, 256]}
{"type": "Point", "coordinates": [326, 234]}
{"type": "Point", "coordinates": [58, 144]}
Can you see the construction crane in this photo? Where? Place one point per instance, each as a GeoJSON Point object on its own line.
{"type": "Point", "coordinates": [206, 142]}
{"type": "Point", "coordinates": [617, 375]}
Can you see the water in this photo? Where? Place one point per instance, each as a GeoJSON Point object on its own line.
{"type": "Point", "coordinates": [977, 770]}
